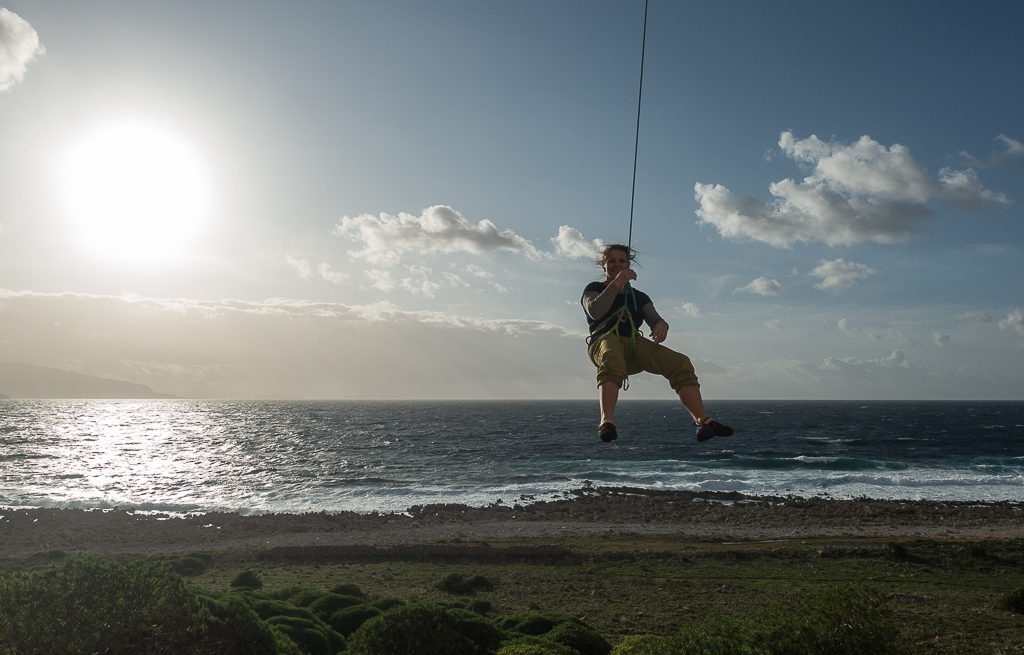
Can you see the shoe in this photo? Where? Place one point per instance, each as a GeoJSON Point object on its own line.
{"type": "Point", "coordinates": [607, 432]}
{"type": "Point", "coordinates": [708, 427]}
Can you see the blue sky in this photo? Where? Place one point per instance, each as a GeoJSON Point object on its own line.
{"type": "Point", "coordinates": [399, 199]}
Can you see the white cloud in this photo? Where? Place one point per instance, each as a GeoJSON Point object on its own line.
{"type": "Point", "coordinates": [439, 229]}
{"type": "Point", "coordinates": [19, 45]}
{"type": "Point", "coordinates": [773, 324]}
{"type": "Point", "coordinates": [872, 333]}
{"type": "Point", "coordinates": [301, 266]}
{"type": "Point", "coordinates": [859, 192]}
{"type": "Point", "coordinates": [1009, 157]}
{"type": "Point", "coordinates": [570, 243]}
{"type": "Point", "coordinates": [692, 310]}
{"type": "Point", "coordinates": [941, 340]}
{"type": "Point", "coordinates": [1012, 146]}
{"type": "Point", "coordinates": [896, 359]}
{"type": "Point", "coordinates": [963, 189]}
{"type": "Point", "coordinates": [840, 273]}
{"type": "Point", "coordinates": [331, 275]}
{"type": "Point", "coordinates": [1013, 321]}
{"type": "Point", "coordinates": [975, 315]}
{"type": "Point", "coordinates": [762, 286]}
{"type": "Point", "coordinates": [381, 280]}
{"type": "Point", "coordinates": [290, 348]}
{"type": "Point", "coordinates": [864, 167]}
{"type": "Point", "coordinates": [421, 280]}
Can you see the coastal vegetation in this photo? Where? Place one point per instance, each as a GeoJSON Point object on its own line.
{"type": "Point", "coordinates": [600, 595]}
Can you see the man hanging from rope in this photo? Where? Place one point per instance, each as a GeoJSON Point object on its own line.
{"type": "Point", "coordinates": [618, 349]}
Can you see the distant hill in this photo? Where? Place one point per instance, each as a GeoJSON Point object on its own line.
{"type": "Point", "coordinates": [20, 380]}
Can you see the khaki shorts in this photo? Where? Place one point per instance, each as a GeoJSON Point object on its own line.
{"type": "Point", "coordinates": [616, 358]}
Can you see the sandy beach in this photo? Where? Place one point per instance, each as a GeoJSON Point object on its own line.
{"type": "Point", "coordinates": [610, 511]}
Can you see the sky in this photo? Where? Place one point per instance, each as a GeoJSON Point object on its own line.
{"type": "Point", "coordinates": [403, 199]}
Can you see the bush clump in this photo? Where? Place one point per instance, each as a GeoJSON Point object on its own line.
{"type": "Point", "coordinates": [346, 589]}
{"type": "Point", "coordinates": [348, 620]}
{"type": "Point", "coordinates": [188, 565]}
{"type": "Point", "coordinates": [247, 580]}
{"type": "Point", "coordinates": [580, 637]}
{"type": "Point", "coordinates": [312, 637]}
{"type": "Point", "coordinates": [1013, 601]}
{"type": "Point", "coordinates": [88, 604]}
{"type": "Point", "coordinates": [425, 630]}
{"type": "Point", "coordinates": [330, 603]}
{"type": "Point", "coordinates": [527, 645]}
{"type": "Point", "coordinates": [456, 583]}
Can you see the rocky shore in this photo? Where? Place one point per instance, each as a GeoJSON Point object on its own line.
{"type": "Point", "coordinates": [609, 511]}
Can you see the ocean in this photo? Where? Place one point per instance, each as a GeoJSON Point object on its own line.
{"type": "Point", "coordinates": [254, 457]}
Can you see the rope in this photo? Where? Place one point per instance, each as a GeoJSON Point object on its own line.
{"type": "Point", "coordinates": [636, 141]}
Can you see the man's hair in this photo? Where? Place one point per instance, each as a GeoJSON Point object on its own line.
{"type": "Point", "coordinates": [608, 247]}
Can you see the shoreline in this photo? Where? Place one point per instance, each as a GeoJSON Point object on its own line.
{"type": "Point", "coordinates": [703, 517]}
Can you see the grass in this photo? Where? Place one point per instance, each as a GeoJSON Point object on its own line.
{"type": "Point", "coordinates": [945, 596]}
{"type": "Point", "coordinates": [942, 597]}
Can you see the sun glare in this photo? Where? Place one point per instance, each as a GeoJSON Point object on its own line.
{"type": "Point", "coordinates": [134, 192]}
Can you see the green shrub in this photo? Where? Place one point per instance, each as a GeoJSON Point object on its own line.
{"type": "Point", "coordinates": [384, 604]}
{"type": "Point", "coordinates": [579, 636]}
{"type": "Point", "coordinates": [304, 597]}
{"type": "Point", "coordinates": [481, 607]}
{"type": "Point", "coordinates": [528, 645]}
{"type": "Point", "coordinates": [346, 589]}
{"type": "Point", "coordinates": [650, 645]}
{"type": "Point", "coordinates": [330, 603]}
{"type": "Point", "coordinates": [535, 623]}
{"type": "Point", "coordinates": [310, 636]}
{"type": "Point", "coordinates": [267, 608]}
{"type": "Point", "coordinates": [425, 630]}
{"type": "Point", "coordinates": [284, 644]}
{"type": "Point", "coordinates": [456, 583]}
{"type": "Point", "coordinates": [188, 566]}
{"type": "Point", "coordinates": [90, 604]}
{"type": "Point", "coordinates": [1013, 601]}
{"type": "Point", "coordinates": [349, 619]}
{"type": "Point", "coordinates": [247, 580]}
{"type": "Point", "coordinates": [234, 622]}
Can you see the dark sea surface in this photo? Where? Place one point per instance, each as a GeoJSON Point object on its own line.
{"type": "Point", "coordinates": [182, 456]}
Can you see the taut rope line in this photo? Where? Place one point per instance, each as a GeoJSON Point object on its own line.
{"type": "Point", "coordinates": [636, 141]}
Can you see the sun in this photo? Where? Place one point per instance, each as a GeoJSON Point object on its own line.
{"type": "Point", "coordinates": [134, 191]}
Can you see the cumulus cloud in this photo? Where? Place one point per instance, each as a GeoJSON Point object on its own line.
{"type": "Point", "coordinates": [762, 286]}
{"type": "Point", "coordinates": [1013, 321]}
{"type": "Point", "coordinates": [331, 275]}
{"type": "Point", "coordinates": [859, 192]}
{"type": "Point", "coordinates": [304, 269]}
{"type": "Point", "coordinates": [1009, 156]}
{"type": "Point", "coordinates": [439, 229]}
{"type": "Point", "coordinates": [692, 310]}
{"type": "Point", "coordinates": [974, 315]}
{"type": "Point", "coordinates": [941, 339]}
{"type": "Point", "coordinates": [420, 280]}
{"type": "Point", "coordinates": [570, 243]}
{"type": "Point", "coordinates": [773, 324]}
{"type": "Point", "coordinates": [839, 273]}
{"type": "Point", "coordinates": [300, 265]}
{"type": "Point", "coordinates": [19, 45]}
{"type": "Point", "coordinates": [963, 189]}
{"type": "Point", "coordinates": [896, 359]}
{"type": "Point", "coordinates": [872, 333]}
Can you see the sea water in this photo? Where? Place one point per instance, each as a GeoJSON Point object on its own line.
{"type": "Point", "coordinates": [195, 456]}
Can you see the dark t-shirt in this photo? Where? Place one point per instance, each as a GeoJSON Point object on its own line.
{"type": "Point", "coordinates": [620, 327]}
